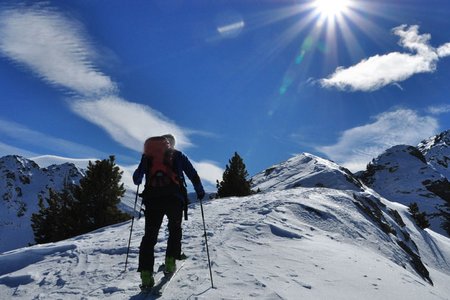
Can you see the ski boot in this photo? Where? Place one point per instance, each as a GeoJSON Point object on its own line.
{"type": "Point", "coordinates": [170, 265]}
{"type": "Point", "coordinates": [147, 280]}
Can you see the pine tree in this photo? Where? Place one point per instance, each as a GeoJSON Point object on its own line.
{"type": "Point", "coordinates": [99, 194]}
{"type": "Point", "coordinates": [55, 221]}
{"type": "Point", "coordinates": [234, 180]}
{"type": "Point", "coordinates": [79, 209]}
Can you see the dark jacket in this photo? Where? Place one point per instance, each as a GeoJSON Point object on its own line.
{"type": "Point", "coordinates": [182, 166]}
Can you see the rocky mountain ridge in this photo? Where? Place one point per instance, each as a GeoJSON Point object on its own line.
{"type": "Point", "coordinates": [22, 182]}
{"type": "Point", "coordinates": [409, 174]}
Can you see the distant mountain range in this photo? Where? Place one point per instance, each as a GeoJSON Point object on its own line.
{"type": "Point", "coordinates": [22, 182]}
{"type": "Point", "coordinates": [403, 174]}
{"type": "Point", "coordinates": [313, 229]}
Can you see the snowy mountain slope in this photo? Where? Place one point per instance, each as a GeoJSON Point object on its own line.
{"type": "Point", "coordinates": [437, 152]}
{"type": "Point", "coordinates": [127, 202]}
{"type": "Point", "coordinates": [302, 243]}
{"type": "Point", "coordinates": [402, 174]}
{"type": "Point", "coordinates": [22, 182]}
{"type": "Point", "coordinates": [305, 170]}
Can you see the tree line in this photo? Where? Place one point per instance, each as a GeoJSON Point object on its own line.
{"type": "Point", "coordinates": [93, 204]}
{"type": "Point", "coordinates": [79, 209]}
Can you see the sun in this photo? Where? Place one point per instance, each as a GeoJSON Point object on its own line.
{"type": "Point", "coordinates": [331, 8]}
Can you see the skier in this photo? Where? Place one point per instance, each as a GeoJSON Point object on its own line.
{"type": "Point", "coordinates": [164, 194]}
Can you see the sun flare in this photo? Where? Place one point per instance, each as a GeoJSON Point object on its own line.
{"type": "Point", "coordinates": [331, 8]}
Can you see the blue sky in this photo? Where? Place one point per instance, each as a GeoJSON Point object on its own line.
{"type": "Point", "coordinates": [268, 79]}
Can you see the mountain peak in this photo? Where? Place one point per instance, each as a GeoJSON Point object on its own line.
{"type": "Point", "coordinates": [398, 155]}
{"type": "Point", "coordinates": [404, 174]}
{"type": "Point", "coordinates": [437, 152]}
{"type": "Point", "coordinates": [305, 170]}
{"type": "Point", "coordinates": [441, 140]}
{"type": "Point", "coordinates": [17, 162]}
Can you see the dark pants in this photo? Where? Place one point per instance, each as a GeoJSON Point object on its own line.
{"type": "Point", "coordinates": [154, 215]}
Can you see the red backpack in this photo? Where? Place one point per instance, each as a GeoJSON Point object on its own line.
{"type": "Point", "coordinates": [160, 169]}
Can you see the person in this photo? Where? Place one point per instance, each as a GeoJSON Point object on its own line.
{"type": "Point", "coordinates": [160, 202]}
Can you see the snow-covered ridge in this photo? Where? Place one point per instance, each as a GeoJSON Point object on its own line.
{"type": "Point", "coordinates": [403, 174]}
{"type": "Point", "coordinates": [307, 243]}
{"type": "Point", "coordinates": [48, 160]}
{"type": "Point", "coordinates": [437, 152]}
{"type": "Point", "coordinates": [313, 230]}
{"type": "Point", "coordinates": [305, 170]}
{"type": "Point", "coordinates": [23, 181]}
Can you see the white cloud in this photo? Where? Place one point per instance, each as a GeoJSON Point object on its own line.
{"type": "Point", "coordinates": [357, 146]}
{"type": "Point", "coordinates": [130, 124]}
{"type": "Point", "coordinates": [382, 70]}
{"type": "Point", "coordinates": [444, 50]}
{"type": "Point", "coordinates": [6, 149]}
{"type": "Point", "coordinates": [208, 171]}
{"type": "Point", "coordinates": [53, 47]}
{"type": "Point", "coordinates": [439, 109]}
{"type": "Point", "coordinates": [56, 48]}
{"type": "Point", "coordinates": [51, 144]}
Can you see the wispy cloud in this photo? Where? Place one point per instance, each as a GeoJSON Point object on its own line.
{"type": "Point", "coordinates": [6, 149]}
{"type": "Point", "coordinates": [129, 123]}
{"type": "Point", "coordinates": [57, 49]}
{"type": "Point", "coordinates": [357, 146]}
{"type": "Point", "coordinates": [209, 171]}
{"type": "Point", "coordinates": [54, 48]}
{"type": "Point", "coordinates": [25, 135]}
{"type": "Point", "coordinates": [379, 71]}
{"type": "Point", "coordinates": [439, 109]}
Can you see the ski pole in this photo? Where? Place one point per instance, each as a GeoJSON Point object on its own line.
{"type": "Point", "coordinates": [206, 243]}
{"type": "Point", "coordinates": [131, 229]}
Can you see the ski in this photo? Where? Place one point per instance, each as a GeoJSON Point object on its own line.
{"type": "Point", "coordinates": [158, 276]}
{"type": "Point", "coordinates": [165, 280]}
{"type": "Point", "coordinates": [162, 281]}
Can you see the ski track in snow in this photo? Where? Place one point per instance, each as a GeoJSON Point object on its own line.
{"type": "Point", "coordinates": [294, 244]}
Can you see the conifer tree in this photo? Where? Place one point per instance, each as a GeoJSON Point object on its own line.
{"type": "Point", "coordinates": [79, 209]}
{"type": "Point", "coordinates": [234, 180]}
{"type": "Point", "coordinates": [98, 195]}
{"type": "Point", "coordinates": [55, 221]}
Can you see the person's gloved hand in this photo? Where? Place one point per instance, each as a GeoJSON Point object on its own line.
{"type": "Point", "coordinates": [200, 192]}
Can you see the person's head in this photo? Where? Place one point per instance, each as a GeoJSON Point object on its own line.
{"type": "Point", "coordinates": [171, 139]}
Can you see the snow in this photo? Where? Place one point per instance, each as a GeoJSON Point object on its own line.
{"type": "Point", "coordinates": [305, 170]}
{"type": "Point", "coordinates": [127, 202]}
{"type": "Point", "coordinates": [314, 231]}
{"type": "Point", "coordinates": [308, 243]}
{"type": "Point", "coordinates": [399, 174]}
{"type": "Point", "coordinates": [22, 183]}
{"type": "Point", "coordinates": [437, 151]}
{"type": "Point", "coordinates": [48, 160]}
